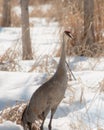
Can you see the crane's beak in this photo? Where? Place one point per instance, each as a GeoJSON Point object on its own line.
{"type": "Point", "coordinates": [69, 34]}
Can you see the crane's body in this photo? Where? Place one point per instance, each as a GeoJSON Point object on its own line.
{"type": "Point", "coordinates": [48, 96]}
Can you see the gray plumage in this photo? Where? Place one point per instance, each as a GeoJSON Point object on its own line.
{"type": "Point", "coordinates": [48, 96]}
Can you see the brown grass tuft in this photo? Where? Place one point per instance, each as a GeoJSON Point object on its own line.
{"type": "Point", "coordinates": [14, 114]}
{"type": "Point", "coordinates": [9, 60]}
{"type": "Point", "coordinates": [16, 20]}
{"type": "Point", "coordinates": [70, 15]}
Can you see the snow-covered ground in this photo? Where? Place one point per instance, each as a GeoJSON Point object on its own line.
{"type": "Point", "coordinates": [83, 105]}
{"type": "Point", "coordinates": [16, 86]}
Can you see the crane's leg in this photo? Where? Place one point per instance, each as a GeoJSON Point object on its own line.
{"type": "Point", "coordinates": [25, 127]}
{"type": "Point", "coordinates": [29, 125]}
{"type": "Point", "coordinates": [41, 127]}
{"type": "Point", "coordinates": [44, 114]}
{"type": "Point", "coordinates": [53, 110]}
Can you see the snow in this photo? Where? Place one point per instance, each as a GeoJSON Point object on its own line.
{"type": "Point", "coordinates": [9, 126]}
{"type": "Point", "coordinates": [39, 35]}
{"type": "Point", "coordinates": [74, 112]}
{"type": "Point", "coordinates": [17, 86]}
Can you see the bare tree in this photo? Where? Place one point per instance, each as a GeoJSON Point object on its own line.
{"type": "Point", "coordinates": [88, 21]}
{"type": "Point", "coordinates": [6, 14]}
{"type": "Point", "coordinates": [26, 42]}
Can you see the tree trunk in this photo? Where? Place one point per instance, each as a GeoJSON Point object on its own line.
{"type": "Point", "coordinates": [88, 21]}
{"type": "Point", "coordinates": [26, 42]}
{"type": "Point", "coordinates": [6, 14]}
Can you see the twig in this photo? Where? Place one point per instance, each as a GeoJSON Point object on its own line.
{"type": "Point", "coordinates": [70, 70]}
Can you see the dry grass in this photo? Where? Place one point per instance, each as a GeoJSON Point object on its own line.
{"type": "Point", "coordinates": [16, 20]}
{"type": "Point", "coordinates": [84, 120]}
{"type": "Point", "coordinates": [93, 50]}
{"type": "Point", "coordinates": [9, 60]}
{"type": "Point", "coordinates": [37, 13]}
{"type": "Point", "coordinates": [38, 2]}
{"type": "Point", "coordinates": [70, 15]}
{"type": "Point", "coordinates": [101, 86]}
{"type": "Point", "coordinates": [14, 114]}
{"type": "Point", "coordinates": [42, 64]}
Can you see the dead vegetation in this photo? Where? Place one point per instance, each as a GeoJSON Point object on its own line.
{"type": "Point", "coordinates": [9, 60]}
{"type": "Point", "coordinates": [14, 114]}
{"type": "Point", "coordinates": [70, 15]}
{"type": "Point", "coordinates": [101, 86]}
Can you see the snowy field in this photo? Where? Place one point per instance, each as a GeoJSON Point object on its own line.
{"type": "Point", "coordinates": [83, 105]}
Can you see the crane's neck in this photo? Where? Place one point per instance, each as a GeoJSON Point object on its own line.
{"type": "Point", "coordinates": [61, 65]}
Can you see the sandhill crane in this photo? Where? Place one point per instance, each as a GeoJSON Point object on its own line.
{"type": "Point", "coordinates": [48, 96]}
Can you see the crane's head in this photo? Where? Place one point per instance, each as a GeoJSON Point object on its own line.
{"type": "Point", "coordinates": [68, 33]}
